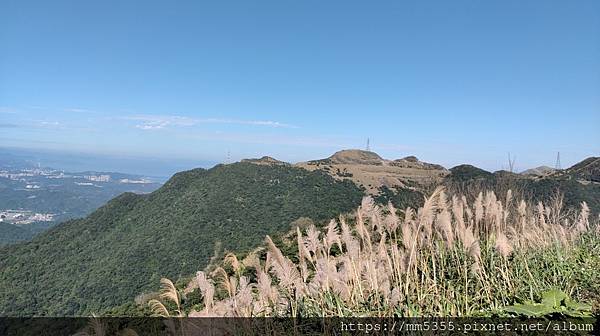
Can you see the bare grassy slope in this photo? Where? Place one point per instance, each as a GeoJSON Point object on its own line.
{"type": "Point", "coordinates": [404, 181]}
{"type": "Point", "coordinates": [539, 171]}
{"type": "Point", "coordinates": [369, 170]}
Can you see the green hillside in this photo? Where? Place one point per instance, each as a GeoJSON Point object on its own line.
{"type": "Point", "coordinates": [588, 169]}
{"type": "Point", "coordinates": [469, 180]}
{"type": "Point", "coordinates": [89, 265]}
{"type": "Point", "coordinates": [103, 261]}
{"type": "Point", "coordinates": [11, 234]}
{"type": "Point", "coordinates": [577, 184]}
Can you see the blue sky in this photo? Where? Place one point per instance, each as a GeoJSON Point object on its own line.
{"type": "Point", "coordinates": [448, 81]}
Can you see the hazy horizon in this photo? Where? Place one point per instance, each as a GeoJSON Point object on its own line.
{"type": "Point", "coordinates": [164, 168]}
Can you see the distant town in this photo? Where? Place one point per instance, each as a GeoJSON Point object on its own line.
{"type": "Point", "coordinates": [22, 174]}
{"type": "Point", "coordinates": [24, 217]}
{"type": "Point", "coordinates": [38, 197]}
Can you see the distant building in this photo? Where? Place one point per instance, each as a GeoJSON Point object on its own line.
{"type": "Point", "coordinates": [98, 178]}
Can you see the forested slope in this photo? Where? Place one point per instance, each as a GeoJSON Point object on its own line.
{"type": "Point", "coordinates": [89, 265]}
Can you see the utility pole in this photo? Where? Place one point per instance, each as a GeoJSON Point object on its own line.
{"type": "Point", "coordinates": [511, 163]}
{"type": "Point", "coordinates": [557, 165]}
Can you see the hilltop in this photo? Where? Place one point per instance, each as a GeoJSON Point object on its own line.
{"type": "Point", "coordinates": [266, 160]}
{"type": "Point", "coordinates": [353, 156]}
{"type": "Point", "coordinates": [406, 181]}
{"type": "Point", "coordinates": [373, 173]}
{"type": "Point", "coordinates": [413, 162]}
{"type": "Point", "coordinates": [539, 171]}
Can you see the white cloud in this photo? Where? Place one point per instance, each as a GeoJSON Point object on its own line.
{"type": "Point", "coordinates": [268, 123]}
{"type": "Point", "coordinates": [68, 109]}
{"type": "Point", "coordinates": [7, 110]}
{"type": "Point", "coordinates": [77, 110]}
{"type": "Point", "coordinates": [150, 126]}
{"type": "Point", "coordinates": [157, 122]}
{"type": "Point", "coordinates": [151, 122]}
{"type": "Point", "coordinates": [48, 124]}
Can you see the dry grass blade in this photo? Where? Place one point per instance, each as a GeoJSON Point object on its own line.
{"type": "Point", "coordinates": [158, 308]}
{"type": "Point", "coordinates": [448, 257]}
{"type": "Point", "coordinates": [169, 292]}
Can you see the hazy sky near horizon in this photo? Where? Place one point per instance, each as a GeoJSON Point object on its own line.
{"type": "Point", "coordinates": [448, 81]}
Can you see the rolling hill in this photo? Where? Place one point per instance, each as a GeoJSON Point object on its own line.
{"type": "Point", "coordinates": [373, 173]}
{"type": "Point", "coordinates": [105, 260]}
{"type": "Point", "coordinates": [539, 171]}
{"type": "Point", "coordinates": [90, 265]}
{"type": "Point", "coordinates": [469, 180]}
{"type": "Point", "coordinates": [405, 181]}
{"type": "Point", "coordinates": [586, 170]}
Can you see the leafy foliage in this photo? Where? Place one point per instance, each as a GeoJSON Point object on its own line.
{"type": "Point", "coordinates": [401, 198]}
{"type": "Point", "coordinates": [90, 265]}
{"type": "Point", "coordinates": [553, 301]}
{"type": "Point", "coordinates": [468, 172]}
{"type": "Point", "coordinates": [12, 233]}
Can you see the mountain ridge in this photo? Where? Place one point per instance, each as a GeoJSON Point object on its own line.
{"type": "Point", "coordinates": [371, 172]}
{"type": "Point", "coordinates": [102, 261]}
{"type": "Point", "coordinates": [89, 265]}
{"type": "Point", "coordinates": [539, 171]}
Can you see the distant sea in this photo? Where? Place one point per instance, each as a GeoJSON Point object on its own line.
{"type": "Point", "coordinates": [159, 169]}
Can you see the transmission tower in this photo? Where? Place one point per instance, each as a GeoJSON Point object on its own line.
{"type": "Point", "coordinates": [557, 165]}
{"type": "Point", "coordinates": [368, 145]}
{"type": "Point", "coordinates": [228, 159]}
{"type": "Point", "coordinates": [511, 163]}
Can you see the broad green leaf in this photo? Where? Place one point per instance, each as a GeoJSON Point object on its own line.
{"type": "Point", "coordinates": [578, 306]}
{"type": "Point", "coordinates": [577, 313]}
{"type": "Point", "coordinates": [553, 298]}
{"type": "Point", "coordinates": [534, 309]}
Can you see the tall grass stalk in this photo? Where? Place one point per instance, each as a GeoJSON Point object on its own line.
{"type": "Point", "coordinates": [447, 258]}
